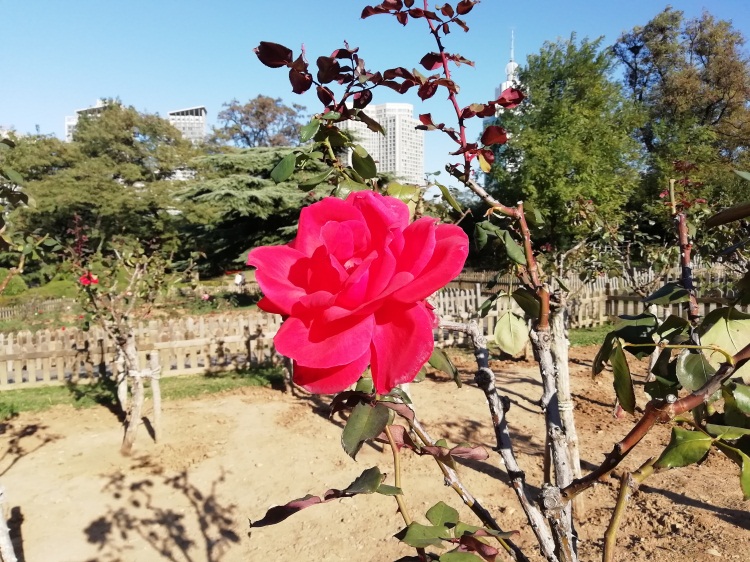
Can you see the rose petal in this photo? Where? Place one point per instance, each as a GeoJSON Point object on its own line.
{"type": "Point", "coordinates": [316, 343]}
{"type": "Point", "coordinates": [332, 379]}
{"type": "Point", "coordinates": [451, 250]}
{"type": "Point", "coordinates": [275, 275]}
{"type": "Point", "coordinates": [419, 245]}
{"type": "Point", "coordinates": [401, 344]}
{"type": "Point", "coordinates": [313, 218]}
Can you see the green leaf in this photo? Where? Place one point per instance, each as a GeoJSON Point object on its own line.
{"type": "Point", "coordinates": [406, 193]}
{"type": "Point", "coordinates": [331, 116]}
{"type": "Point", "coordinates": [528, 301]}
{"type": "Point", "coordinates": [511, 333]}
{"type": "Point", "coordinates": [285, 168]}
{"type": "Point", "coordinates": [729, 329]}
{"type": "Point", "coordinates": [12, 175]}
{"type": "Point", "coordinates": [448, 196]}
{"type": "Point", "coordinates": [515, 251]}
{"type": "Point", "coordinates": [310, 183]}
{"type": "Point", "coordinates": [726, 432]}
{"type": "Point", "coordinates": [672, 327]}
{"type": "Point", "coordinates": [365, 384]}
{"type": "Point", "coordinates": [733, 414]}
{"type": "Point", "coordinates": [387, 490]}
{"type": "Point", "coordinates": [693, 370]}
{"type": "Point", "coordinates": [439, 360]}
{"type": "Point", "coordinates": [684, 448]}
{"type": "Point", "coordinates": [623, 382]}
{"type": "Point", "coordinates": [532, 214]}
{"type": "Point", "coordinates": [441, 514]}
{"type": "Point", "coordinates": [604, 353]}
{"type": "Point", "coordinates": [366, 483]}
{"type": "Point", "coordinates": [743, 461]}
{"type": "Point", "coordinates": [668, 294]}
{"type": "Point", "coordinates": [309, 131]}
{"type": "Point", "coordinates": [347, 186]}
{"type": "Point", "coordinates": [363, 163]}
{"type": "Point", "coordinates": [365, 422]}
{"type": "Point", "coordinates": [457, 556]}
{"type": "Point", "coordinates": [480, 236]}
{"type": "Point", "coordinates": [743, 175]}
{"type": "Point", "coordinates": [488, 305]}
{"type": "Point", "coordinates": [741, 395]}
{"type": "Point", "coordinates": [422, 536]}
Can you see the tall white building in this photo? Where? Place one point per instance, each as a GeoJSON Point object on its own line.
{"type": "Point", "coordinates": [191, 122]}
{"type": "Point", "coordinates": [401, 150]}
{"type": "Point", "coordinates": [72, 120]}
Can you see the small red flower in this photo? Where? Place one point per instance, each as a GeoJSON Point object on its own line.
{"type": "Point", "coordinates": [88, 278]}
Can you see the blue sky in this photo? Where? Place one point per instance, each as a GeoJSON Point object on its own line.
{"type": "Point", "coordinates": [161, 55]}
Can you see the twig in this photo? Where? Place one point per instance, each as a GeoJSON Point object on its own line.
{"type": "Point", "coordinates": [629, 483]}
{"type": "Point", "coordinates": [657, 411]}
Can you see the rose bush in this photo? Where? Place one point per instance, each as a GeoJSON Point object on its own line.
{"type": "Point", "coordinates": [352, 287]}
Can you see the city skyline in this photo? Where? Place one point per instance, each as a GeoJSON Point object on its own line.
{"type": "Point", "coordinates": [63, 56]}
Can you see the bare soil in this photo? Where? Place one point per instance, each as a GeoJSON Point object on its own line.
{"type": "Point", "coordinates": [71, 496]}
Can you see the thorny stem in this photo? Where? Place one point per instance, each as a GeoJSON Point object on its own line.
{"type": "Point", "coordinates": [657, 411]}
{"type": "Point", "coordinates": [728, 356]}
{"type": "Point", "coordinates": [629, 483]}
{"type": "Point", "coordinates": [452, 480]}
{"type": "Point", "coordinates": [397, 476]}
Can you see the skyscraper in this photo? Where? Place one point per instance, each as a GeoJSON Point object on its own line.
{"type": "Point", "coordinates": [401, 150]}
{"type": "Point", "coordinates": [191, 122]}
{"type": "Point", "coordinates": [72, 120]}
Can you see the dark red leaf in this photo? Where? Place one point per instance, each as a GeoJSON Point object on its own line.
{"type": "Point", "coordinates": [301, 81]}
{"type": "Point", "coordinates": [450, 84]}
{"type": "Point", "coordinates": [273, 54]}
{"type": "Point", "coordinates": [426, 119]}
{"type": "Point", "coordinates": [398, 72]}
{"type": "Point", "coordinates": [446, 28]}
{"type": "Point", "coordinates": [371, 11]}
{"type": "Point", "coordinates": [458, 59]}
{"type": "Point", "coordinates": [431, 15]}
{"type": "Point", "coordinates": [392, 4]}
{"type": "Point", "coordinates": [446, 10]}
{"type": "Point", "coordinates": [427, 90]}
{"type": "Point", "coordinates": [280, 512]}
{"type": "Point", "coordinates": [473, 453]}
{"type": "Point", "coordinates": [398, 87]}
{"type": "Point", "coordinates": [489, 156]}
{"type": "Point", "coordinates": [402, 17]}
{"type": "Point", "coordinates": [473, 544]}
{"type": "Point", "coordinates": [461, 23]}
{"type": "Point", "coordinates": [494, 135]}
{"type": "Point", "coordinates": [468, 147]}
{"type": "Point", "coordinates": [328, 69]}
{"type": "Point", "coordinates": [416, 12]}
{"type": "Point", "coordinates": [400, 436]}
{"type": "Point", "coordinates": [300, 64]}
{"type": "Point", "coordinates": [344, 53]}
{"type": "Point", "coordinates": [408, 3]}
{"type": "Point", "coordinates": [465, 6]}
{"type": "Point", "coordinates": [432, 61]}
{"type": "Point", "coordinates": [362, 99]}
{"type": "Point", "coordinates": [510, 98]}
{"type": "Point", "coordinates": [401, 409]}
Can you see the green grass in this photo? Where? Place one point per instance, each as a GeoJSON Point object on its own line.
{"type": "Point", "coordinates": [85, 395]}
{"type": "Point", "coordinates": [589, 336]}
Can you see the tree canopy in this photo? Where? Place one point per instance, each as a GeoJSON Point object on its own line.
{"type": "Point", "coordinates": [569, 142]}
{"type": "Point", "coordinates": [262, 121]}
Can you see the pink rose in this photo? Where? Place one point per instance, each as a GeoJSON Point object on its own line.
{"type": "Point", "coordinates": [352, 288]}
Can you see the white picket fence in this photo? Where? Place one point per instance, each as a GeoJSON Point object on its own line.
{"type": "Point", "coordinates": [232, 341]}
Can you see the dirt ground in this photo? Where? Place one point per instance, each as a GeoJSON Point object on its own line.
{"type": "Point", "coordinates": [71, 497]}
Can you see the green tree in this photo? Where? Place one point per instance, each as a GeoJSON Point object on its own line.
{"type": "Point", "coordinates": [262, 121]}
{"type": "Point", "coordinates": [569, 143]}
{"type": "Point", "coordinates": [691, 80]}
{"type": "Point", "coordinates": [235, 205]}
{"type": "Point", "coordinates": [116, 175]}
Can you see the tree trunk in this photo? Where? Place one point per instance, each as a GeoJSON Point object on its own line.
{"type": "Point", "coordinates": [156, 392]}
{"type": "Point", "coordinates": [559, 348]}
{"type": "Point", "coordinates": [558, 513]}
{"type": "Point", "coordinates": [7, 554]}
{"type": "Point", "coordinates": [136, 409]}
